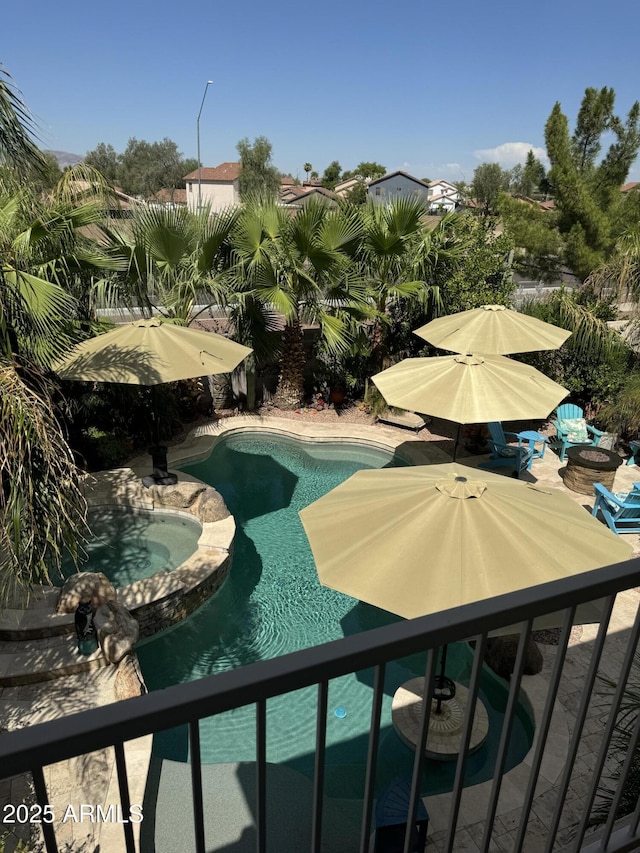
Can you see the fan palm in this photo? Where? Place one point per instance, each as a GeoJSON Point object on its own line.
{"type": "Point", "coordinates": [402, 260]}
{"type": "Point", "coordinates": [171, 258]}
{"type": "Point", "coordinates": [300, 267]}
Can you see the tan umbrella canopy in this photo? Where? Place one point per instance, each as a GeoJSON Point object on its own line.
{"type": "Point", "coordinates": [492, 329]}
{"type": "Point", "coordinates": [150, 352]}
{"type": "Point", "coordinates": [422, 539]}
{"type": "Point", "coordinates": [470, 389]}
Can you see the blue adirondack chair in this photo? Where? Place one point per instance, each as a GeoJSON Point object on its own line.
{"type": "Point", "coordinates": [621, 511]}
{"type": "Point", "coordinates": [505, 455]}
{"type": "Point", "coordinates": [572, 429]}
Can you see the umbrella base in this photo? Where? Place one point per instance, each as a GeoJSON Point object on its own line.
{"type": "Point", "coordinates": [445, 729]}
{"type": "Point", "coordinates": [160, 475]}
{"type": "Point", "coordinates": [160, 478]}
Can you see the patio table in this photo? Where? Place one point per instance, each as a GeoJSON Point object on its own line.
{"type": "Point", "coordinates": [533, 437]}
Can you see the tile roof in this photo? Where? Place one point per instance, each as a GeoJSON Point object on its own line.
{"type": "Point", "coordinates": [223, 172]}
{"type": "Point", "coordinates": [167, 195]}
{"type": "Point", "coordinates": [441, 181]}
{"type": "Point", "coordinates": [630, 186]}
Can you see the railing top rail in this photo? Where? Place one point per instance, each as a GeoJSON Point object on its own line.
{"type": "Point", "coordinates": [58, 740]}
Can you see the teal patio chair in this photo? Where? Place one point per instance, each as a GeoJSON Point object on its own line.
{"type": "Point", "coordinates": [572, 429]}
{"type": "Point", "coordinates": [535, 440]}
{"type": "Point", "coordinates": [621, 510]}
{"type": "Point", "coordinates": [504, 455]}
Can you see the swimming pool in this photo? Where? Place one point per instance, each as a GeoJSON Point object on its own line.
{"type": "Point", "coordinates": [128, 545]}
{"type": "Point", "coordinates": [273, 603]}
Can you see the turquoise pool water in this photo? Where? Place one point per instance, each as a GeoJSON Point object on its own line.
{"type": "Point", "coordinates": [273, 603]}
{"type": "Point", "coordinates": [128, 546]}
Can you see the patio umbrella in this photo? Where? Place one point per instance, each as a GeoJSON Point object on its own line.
{"type": "Point", "coordinates": [150, 352]}
{"type": "Point", "coordinates": [470, 389]}
{"type": "Point", "coordinates": [422, 539]}
{"type": "Point", "coordinates": [492, 329]}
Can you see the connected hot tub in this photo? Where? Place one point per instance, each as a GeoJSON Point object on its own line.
{"type": "Point", "coordinates": [129, 544]}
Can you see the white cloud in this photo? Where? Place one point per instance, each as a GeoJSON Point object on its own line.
{"type": "Point", "coordinates": [510, 153]}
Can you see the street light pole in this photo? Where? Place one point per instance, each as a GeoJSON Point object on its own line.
{"type": "Point", "coordinates": [209, 82]}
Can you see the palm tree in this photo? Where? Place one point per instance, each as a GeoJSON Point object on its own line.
{"type": "Point", "coordinates": [401, 260]}
{"type": "Point", "coordinates": [620, 275]}
{"type": "Point", "coordinates": [307, 168]}
{"type": "Point", "coordinates": [17, 146]}
{"type": "Point", "coordinates": [299, 267]}
{"type": "Point", "coordinates": [170, 259]}
{"type": "Point", "coordinates": [42, 509]}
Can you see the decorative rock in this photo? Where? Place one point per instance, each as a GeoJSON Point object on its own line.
{"type": "Point", "coordinates": [181, 496]}
{"type": "Point", "coordinates": [128, 681]}
{"type": "Point", "coordinates": [211, 507]}
{"type": "Point", "coordinates": [501, 656]}
{"type": "Point", "coordinates": [118, 631]}
{"type": "Point", "coordinates": [94, 587]}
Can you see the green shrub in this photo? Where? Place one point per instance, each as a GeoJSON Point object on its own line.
{"type": "Point", "coordinates": [103, 449]}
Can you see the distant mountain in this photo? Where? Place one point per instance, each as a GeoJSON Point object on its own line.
{"type": "Point", "coordinates": [65, 159]}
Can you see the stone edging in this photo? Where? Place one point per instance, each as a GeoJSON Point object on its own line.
{"type": "Point", "coordinates": [156, 602]}
{"type": "Point", "coordinates": [200, 441]}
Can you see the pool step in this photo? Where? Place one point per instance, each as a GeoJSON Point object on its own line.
{"type": "Point", "coordinates": [36, 621]}
{"type": "Point", "coordinates": [32, 661]}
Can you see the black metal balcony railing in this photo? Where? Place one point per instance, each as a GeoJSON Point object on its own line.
{"type": "Point", "coordinates": [32, 749]}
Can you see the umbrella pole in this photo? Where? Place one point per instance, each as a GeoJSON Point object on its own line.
{"type": "Point", "coordinates": [456, 442]}
{"type": "Point", "coordinates": [156, 422]}
{"type": "Point", "coordinates": [444, 689]}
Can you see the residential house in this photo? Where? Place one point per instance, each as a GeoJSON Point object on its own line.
{"type": "Point", "coordinates": [303, 198]}
{"type": "Point", "coordinates": [397, 185]}
{"type": "Point", "coordinates": [443, 196]}
{"type": "Point", "coordinates": [440, 196]}
{"type": "Point", "coordinates": [343, 189]}
{"type": "Point", "coordinates": [169, 197]}
{"type": "Point", "coordinates": [216, 188]}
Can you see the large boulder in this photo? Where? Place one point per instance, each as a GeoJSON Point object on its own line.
{"type": "Point", "coordinates": [501, 656]}
{"type": "Point", "coordinates": [94, 587]}
{"type": "Point", "coordinates": [118, 631]}
{"type": "Point", "coordinates": [128, 681]}
{"type": "Point", "coordinates": [211, 507]}
{"type": "Point", "coordinates": [181, 496]}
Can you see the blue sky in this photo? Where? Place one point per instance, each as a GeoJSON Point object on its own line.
{"type": "Point", "coordinates": [431, 88]}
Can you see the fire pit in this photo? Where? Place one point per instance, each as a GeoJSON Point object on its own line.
{"type": "Point", "coordinates": [589, 465]}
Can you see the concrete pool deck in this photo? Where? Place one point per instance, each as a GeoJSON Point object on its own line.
{"type": "Point", "coordinates": [33, 703]}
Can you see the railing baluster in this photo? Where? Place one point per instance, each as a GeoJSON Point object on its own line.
{"type": "Point", "coordinates": [196, 784]}
{"type": "Point", "coordinates": [412, 811]}
{"type": "Point", "coordinates": [596, 773]}
{"type": "Point", "coordinates": [581, 714]}
{"type": "Point", "coordinates": [125, 802]}
{"type": "Point", "coordinates": [372, 757]}
{"type": "Point", "coordinates": [261, 781]}
{"type": "Point", "coordinates": [318, 777]}
{"type": "Point", "coordinates": [456, 794]}
{"type": "Point", "coordinates": [545, 723]}
{"type": "Point", "coordinates": [507, 724]}
{"type": "Point", "coordinates": [40, 788]}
